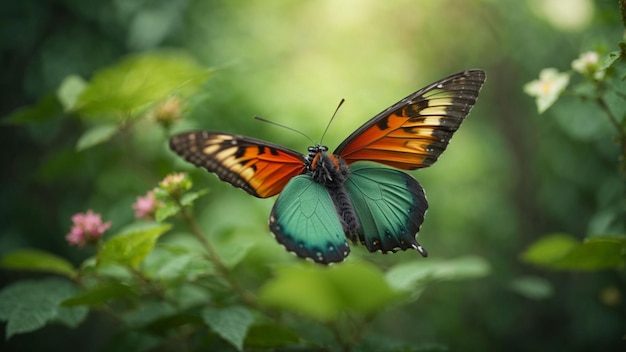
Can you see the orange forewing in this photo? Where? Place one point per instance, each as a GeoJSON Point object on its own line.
{"type": "Point", "coordinates": [413, 133]}
{"type": "Point", "coordinates": [260, 168]}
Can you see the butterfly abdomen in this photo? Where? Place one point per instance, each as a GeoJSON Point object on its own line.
{"type": "Point", "coordinates": [332, 171]}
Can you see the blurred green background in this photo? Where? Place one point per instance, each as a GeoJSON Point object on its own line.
{"type": "Point", "coordinates": [509, 176]}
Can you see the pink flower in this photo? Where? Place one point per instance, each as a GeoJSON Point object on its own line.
{"type": "Point", "coordinates": [145, 207]}
{"type": "Point", "coordinates": [86, 228]}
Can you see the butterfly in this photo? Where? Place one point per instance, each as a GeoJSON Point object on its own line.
{"type": "Point", "coordinates": [358, 192]}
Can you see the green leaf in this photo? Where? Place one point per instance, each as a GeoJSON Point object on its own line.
{"type": "Point", "coordinates": [29, 305]}
{"type": "Point", "coordinates": [36, 260]}
{"type": "Point", "coordinates": [28, 318]}
{"type": "Point", "coordinates": [190, 197]}
{"type": "Point", "coordinates": [132, 246]}
{"type": "Point", "coordinates": [414, 275]}
{"type": "Point", "coordinates": [132, 340]}
{"type": "Point", "coordinates": [46, 109]}
{"type": "Point", "coordinates": [230, 323]}
{"type": "Point", "coordinates": [595, 254]}
{"type": "Point", "coordinates": [99, 294]}
{"type": "Point", "coordinates": [233, 245]}
{"type": "Point", "coordinates": [96, 135]}
{"type": "Point", "coordinates": [532, 287]}
{"type": "Point", "coordinates": [171, 265]}
{"type": "Point", "coordinates": [322, 293]}
{"type": "Point", "coordinates": [127, 88]}
{"type": "Point", "coordinates": [69, 91]}
{"type": "Point", "coordinates": [270, 336]}
{"type": "Point", "coordinates": [611, 59]}
{"type": "Point", "coordinates": [166, 210]}
{"type": "Point", "coordinates": [564, 252]}
{"type": "Point", "coordinates": [549, 248]}
{"type": "Point", "coordinates": [148, 312]}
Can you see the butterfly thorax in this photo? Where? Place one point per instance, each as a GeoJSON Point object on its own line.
{"type": "Point", "coordinates": [332, 171]}
{"type": "Point", "coordinates": [326, 169]}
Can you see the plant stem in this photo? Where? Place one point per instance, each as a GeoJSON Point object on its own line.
{"type": "Point", "coordinates": [213, 256]}
{"type": "Point", "coordinates": [622, 139]}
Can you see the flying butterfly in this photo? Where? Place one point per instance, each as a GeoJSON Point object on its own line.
{"type": "Point", "coordinates": [355, 193]}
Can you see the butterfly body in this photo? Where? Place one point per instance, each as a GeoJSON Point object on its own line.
{"type": "Point", "coordinates": [356, 192]}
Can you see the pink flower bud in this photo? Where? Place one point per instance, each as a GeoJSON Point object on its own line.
{"type": "Point", "coordinates": [145, 206]}
{"type": "Point", "coordinates": [86, 228]}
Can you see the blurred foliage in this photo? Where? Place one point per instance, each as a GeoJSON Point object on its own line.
{"type": "Point", "coordinates": [92, 90]}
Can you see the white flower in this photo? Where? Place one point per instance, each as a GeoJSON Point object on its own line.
{"type": "Point", "coordinates": [547, 88]}
{"type": "Point", "coordinates": [588, 64]}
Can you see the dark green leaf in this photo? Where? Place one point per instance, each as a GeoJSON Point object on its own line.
{"type": "Point", "coordinates": [532, 287]}
{"type": "Point", "coordinates": [29, 305]}
{"type": "Point", "coordinates": [133, 340]}
{"type": "Point", "coordinates": [148, 312]}
{"type": "Point", "coordinates": [99, 294]}
{"type": "Point", "coordinates": [96, 135]}
{"type": "Point", "coordinates": [270, 336]}
{"type": "Point", "coordinates": [36, 260]}
{"type": "Point", "coordinates": [595, 254]}
{"type": "Point", "coordinates": [47, 108]}
{"type": "Point", "coordinates": [230, 323]}
{"type": "Point", "coordinates": [131, 247]}
{"type": "Point", "coordinates": [28, 318]}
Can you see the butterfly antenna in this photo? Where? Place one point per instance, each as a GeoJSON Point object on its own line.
{"type": "Point", "coordinates": [331, 119]}
{"type": "Point", "coordinates": [283, 126]}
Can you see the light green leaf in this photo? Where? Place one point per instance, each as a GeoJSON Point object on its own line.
{"type": "Point", "coordinates": [166, 210]}
{"type": "Point", "coordinates": [411, 276]}
{"type": "Point", "coordinates": [322, 293]}
{"type": "Point", "coordinates": [173, 265]}
{"type": "Point", "coordinates": [189, 197]}
{"type": "Point", "coordinates": [564, 252]}
{"type": "Point", "coordinates": [549, 248]}
{"type": "Point", "coordinates": [352, 279]}
{"type": "Point", "coordinates": [96, 135]}
{"type": "Point", "coordinates": [230, 323]}
{"type": "Point", "coordinates": [188, 296]}
{"type": "Point", "coordinates": [30, 305]}
{"type": "Point", "coordinates": [233, 246]}
{"type": "Point", "coordinates": [69, 91]}
{"type": "Point", "coordinates": [36, 260]}
{"type": "Point", "coordinates": [610, 60]}
{"type": "Point", "coordinates": [532, 287]}
{"type": "Point", "coordinates": [129, 87]}
{"type": "Point", "coordinates": [131, 247]}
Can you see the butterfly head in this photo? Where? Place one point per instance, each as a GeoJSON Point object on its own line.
{"type": "Point", "coordinates": [314, 150]}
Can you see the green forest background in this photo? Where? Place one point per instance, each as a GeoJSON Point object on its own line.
{"type": "Point", "coordinates": [509, 178]}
